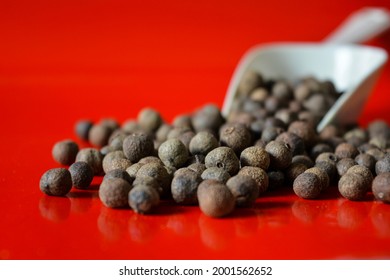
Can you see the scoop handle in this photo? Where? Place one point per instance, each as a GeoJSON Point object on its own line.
{"type": "Point", "coordinates": [360, 26]}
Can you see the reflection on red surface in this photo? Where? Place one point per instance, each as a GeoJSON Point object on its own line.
{"type": "Point", "coordinates": [350, 216]}
{"type": "Point", "coordinates": [55, 209]}
{"type": "Point", "coordinates": [380, 217]}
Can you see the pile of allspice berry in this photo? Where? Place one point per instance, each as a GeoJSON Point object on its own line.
{"type": "Point", "coordinates": [268, 141]}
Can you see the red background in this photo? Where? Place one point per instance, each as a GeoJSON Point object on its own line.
{"type": "Point", "coordinates": [94, 59]}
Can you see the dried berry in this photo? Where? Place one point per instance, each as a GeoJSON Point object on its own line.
{"type": "Point", "coordinates": [182, 121]}
{"type": "Point", "coordinates": [322, 176]}
{"type": "Point", "coordinates": [215, 173]}
{"type": "Point", "coordinates": [173, 153]}
{"type": "Point", "coordinates": [64, 152]}
{"type": "Point", "coordinates": [377, 153]}
{"type": "Point", "coordinates": [303, 159]}
{"type": "Point", "coordinates": [307, 186]}
{"type": "Point", "coordinates": [327, 157]}
{"type": "Point", "coordinates": [150, 159]}
{"type": "Point", "coordinates": [352, 186]}
{"type": "Point", "coordinates": [93, 157]}
{"type": "Point", "coordinates": [82, 128]}
{"type": "Point", "coordinates": [137, 146]}
{"type": "Point", "coordinates": [271, 133]}
{"type": "Point", "coordinates": [82, 174]}
{"type": "Point", "coordinates": [383, 165]}
{"type": "Point", "coordinates": [133, 169]}
{"type": "Point", "coordinates": [365, 172]}
{"type": "Point", "coordinates": [249, 81]}
{"type": "Point", "coordinates": [207, 118]}
{"type": "Point", "coordinates": [255, 156]}
{"type": "Point", "coordinates": [295, 142]}
{"type": "Point", "coordinates": [162, 132]}
{"type": "Point", "coordinates": [293, 171]}
{"type": "Point", "coordinates": [303, 130]}
{"type": "Point", "coordinates": [346, 150]}
{"type": "Point", "coordinates": [99, 135]}
{"type": "Point", "coordinates": [115, 160]}
{"type": "Point", "coordinates": [235, 136]}
{"type": "Point", "coordinates": [159, 173]}
{"type": "Point", "coordinates": [381, 187]}
{"type": "Point", "coordinates": [344, 164]}
{"type": "Point", "coordinates": [319, 149]}
{"type": "Point", "coordinates": [113, 192]}
{"type": "Point", "coordinates": [280, 155]}
{"type": "Point", "coordinates": [202, 143]}
{"type": "Point", "coordinates": [244, 189]}
{"type": "Point", "coordinates": [223, 157]}
{"type": "Point", "coordinates": [258, 174]}
{"type": "Point", "coordinates": [329, 167]}
{"type": "Point", "coordinates": [56, 182]}
{"type": "Point", "coordinates": [149, 119]}
{"type": "Point", "coordinates": [367, 161]}
{"type": "Point", "coordinates": [215, 199]}
{"type": "Point", "coordinates": [110, 123]}
{"type": "Point", "coordinates": [119, 173]}
{"type": "Point", "coordinates": [197, 167]}
{"type": "Point", "coordinates": [185, 185]}
{"type": "Point", "coordinates": [143, 199]}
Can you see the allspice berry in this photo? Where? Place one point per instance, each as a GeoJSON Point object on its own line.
{"type": "Point", "coordinates": [258, 174]}
{"type": "Point", "coordinates": [113, 192]}
{"type": "Point", "coordinates": [329, 167]}
{"type": "Point", "coordinates": [159, 173]}
{"type": "Point", "coordinates": [223, 157]}
{"type": "Point", "coordinates": [365, 172]}
{"type": "Point", "coordinates": [293, 171]}
{"type": "Point", "coordinates": [367, 161]}
{"type": "Point", "coordinates": [322, 176]}
{"type": "Point", "coordinates": [65, 152]}
{"type": "Point", "coordinates": [82, 128]}
{"type": "Point", "coordinates": [249, 81]}
{"type": "Point", "coordinates": [255, 156]}
{"type": "Point", "coordinates": [82, 174]}
{"type": "Point", "coordinates": [119, 173]}
{"type": "Point", "coordinates": [184, 186]}
{"type": "Point", "coordinates": [99, 135]}
{"type": "Point", "coordinates": [173, 153]}
{"type": "Point", "coordinates": [280, 155]}
{"type": "Point", "coordinates": [202, 143]}
{"type": "Point", "coordinates": [305, 131]}
{"type": "Point", "coordinates": [93, 157]}
{"type": "Point", "coordinates": [383, 165]}
{"type": "Point", "coordinates": [137, 146]}
{"type": "Point", "coordinates": [295, 142]}
{"type": "Point", "coordinates": [56, 182]}
{"type": "Point", "coordinates": [149, 119]}
{"type": "Point", "coordinates": [346, 150]}
{"type": "Point", "coordinates": [235, 136]}
{"type": "Point", "coordinates": [307, 186]}
{"type": "Point", "coordinates": [215, 173]}
{"type": "Point", "coordinates": [244, 189]}
{"type": "Point", "coordinates": [352, 186]}
{"type": "Point", "coordinates": [115, 160]}
{"type": "Point", "coordinates": [344, 164]}
{"type": "Point", "coordinates": [143, 199]}
{"type": "Point", "coordinates": [208, 118]}
{"type": "Point", "coordinates": [381, 187]}
{"type": "Point", "coordinates": [215, 199]}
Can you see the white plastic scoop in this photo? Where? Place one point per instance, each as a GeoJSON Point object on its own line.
{"type": "Point", "coordinates": [352, 68]}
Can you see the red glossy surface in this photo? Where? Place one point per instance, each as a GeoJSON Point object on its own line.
{"type": "Point", "coordinates": [93, 59]}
